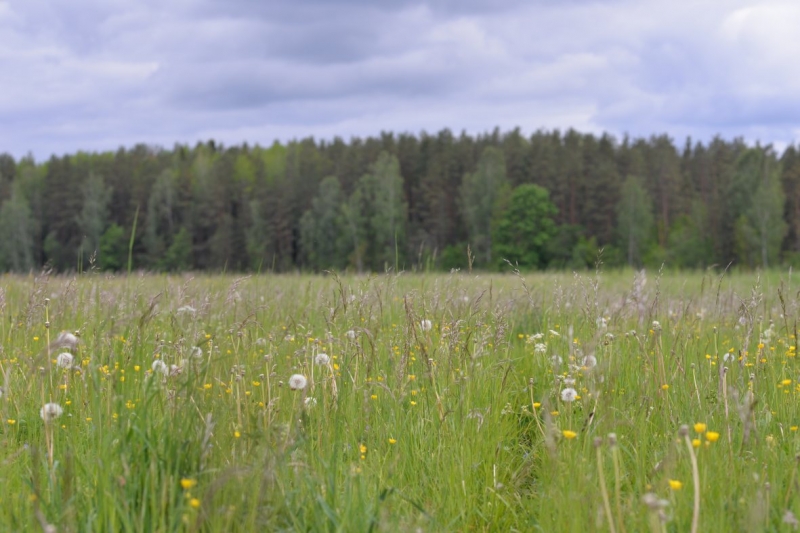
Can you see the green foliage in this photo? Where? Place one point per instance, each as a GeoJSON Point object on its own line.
{"type": "Point", "coordinates": [482, 195]}
{"type": "Point", "coordinates": [16, 227]}
{"type": "Point", "coordinates": [113, 248]}
{"type": "Point", "coordinates": [178, 256]}
{"type": "Point", "coordinates": [525, 228]}
{"type": "Point", "coordinates": [94, 213]}
{"type": "Point", "coordinates": [404, 200]}
{"type": "Point", "coordinates": [634, 220]}
{"type": "Point", "coordinates": [321, 228]}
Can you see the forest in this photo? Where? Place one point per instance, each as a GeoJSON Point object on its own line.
{"type": "Point", "coordinates": [500, 200]}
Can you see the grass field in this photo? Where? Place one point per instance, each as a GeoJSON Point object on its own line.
{"type": "Point", "coordinates": [601, 402]}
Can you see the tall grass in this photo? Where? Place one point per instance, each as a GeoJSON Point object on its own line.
{"type": "Point", "coordinates": [463, 426]}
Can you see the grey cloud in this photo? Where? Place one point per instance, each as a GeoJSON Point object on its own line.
{"type": "Point", "coordinates": [93, 74]}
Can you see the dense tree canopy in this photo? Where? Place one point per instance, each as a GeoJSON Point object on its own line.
{"type": "Point", "coordinates": [405, 202]}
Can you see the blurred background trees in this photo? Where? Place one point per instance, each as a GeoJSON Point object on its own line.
{"type": "Point", "coordinates": [408, 202]}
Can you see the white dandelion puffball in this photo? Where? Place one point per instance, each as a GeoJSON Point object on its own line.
{"type": "Point", "coordinates": [160, 366]}
{"type": "Point", "coordinates": [589, 361]}
{"type": "Point", "coordinates": [310, 402]}
{"type": "Point", "coordinates": [351, 334]}
{"type": "Point", "coordinates": [322, 359]}
{"type": "Point", "coordinates": [50, 411]}
{"type": "Point", "coordinates": [67, 340]}
{"type": "Point", "coordinates": [426, 325]}
{"type": "Point", "coordinates": [569, 395]}
{"type": "Point", "coordinates": [197, 352]}
{"type": "Point", "coordinates": [64, 360]}
{"type": "Point", "coordinates": [298, 382]}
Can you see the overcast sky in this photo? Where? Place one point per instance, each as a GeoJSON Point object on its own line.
{"type": "Point", "coordinates": [97, 74]}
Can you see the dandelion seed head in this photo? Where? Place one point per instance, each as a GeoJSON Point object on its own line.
{"type": "Point", "coordinates": [351, 334]}
{"type": "Point", "coordinates": [50, 411]}
{"type": "Point", "coordinates": [426, 325]}
{"type": "Point", "coordinates": [160, 366]}
{"type": "Point", "coordinates": [66, 339]}
{"type": "Point", "coordinates": [65, 360]}
{"type": "Point", "coordinates": [569, 395]}
{"type": "Point", "coordinates": [322, 359]}
{"type": "Point", "coordinates": [298, 382]}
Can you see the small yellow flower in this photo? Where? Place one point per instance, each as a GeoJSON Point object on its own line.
{"type": "Point", "coordinates": [569, 434]}
{"type": "Point", "coordinates": [664, 386]}
{"type": "Point", "coordinates": [700, 427]}
{"type": "Point", "coordinates": [411, 377]}
{"type": "Point", "coordinates": [786, 382]}
{"type": "Point", "coordinates": [36, 338]}
{"type": "Point", "coordinates": [392, 441]}
{"type": "Point", "coordinates": [11, 421]}
{"type": "Point", "coordinates": [207, 386]}
{"type": "Point", "coordinates": [712, 436]}
{"type": "Point", "coordinates": [536, 405]}
{"type": "Point", "coordinates": [187, 483]}
{"type": "Point", "coordinates": [793, 428]}
{"type": "Point", "coordinates": [674, 484]}
{"type": "Point", "coordinates": [413, 402]}
{"type": "Point", "coordinates": [136, 368]}
{"type": "Point", "coordinates": [194, 502]}
{"type": "Point", "coordinates": [696, 443]}
{"type": "Point", "coordinates": [237, 434]}
{"type": "Point", "coordinates": [374, 396]}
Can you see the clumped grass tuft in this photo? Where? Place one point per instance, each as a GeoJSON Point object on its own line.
{"type": "Point", "coordinates": [614, 402]}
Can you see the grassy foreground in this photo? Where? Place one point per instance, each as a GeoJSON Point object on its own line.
{"type": "Point", "coordinates": [611, 402]}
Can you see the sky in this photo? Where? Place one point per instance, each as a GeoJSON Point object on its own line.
{"type": "Point", "coordinates": [94, 75]}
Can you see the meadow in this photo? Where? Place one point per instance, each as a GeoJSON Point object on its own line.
{"type": "Point", "coordinates": [601, 401]}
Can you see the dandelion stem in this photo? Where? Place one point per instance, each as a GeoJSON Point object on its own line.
{"type": "Point", "coordinates": [604, 491]}
{"type": "Point", "coordinates": [617, 488]}
{"type": "Point", "coordinates": [696, 479]}
{"type": "Point", "coordinates": [535, 415]}
{"type": "Point", "coordinates": [791, 482]}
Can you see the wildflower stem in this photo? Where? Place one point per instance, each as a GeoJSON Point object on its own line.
{"type": "Point", "coordinates": [535, 414]}
{"type": "Point", "coordinates": [696, 479]}
{"type": "Point", "coordinates": [791, 482]}
{"type": "Point", "coordinates": [604, 491]}
{"type": "Point", "coordinates": [617, 488]}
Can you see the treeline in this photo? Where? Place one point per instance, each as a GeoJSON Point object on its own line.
{"type": "Point", "coordinates": [551, 200]}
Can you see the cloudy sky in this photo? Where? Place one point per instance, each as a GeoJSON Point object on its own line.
{"type": "Point", "coordinates": [98, 74]}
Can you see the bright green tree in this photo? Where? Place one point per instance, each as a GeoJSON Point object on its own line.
{"type": "Point", "coordinates": [113, 248]}
{"type": "Point", "coordinates": [320, 227]}
{"type": "Point", "coordinates": [481, 196]}
{"type": "Point", "coordinates": [16, 233]}
{"type": "Point", "coordinates": [634, 220]}
{"type": "Point", "coordinates": [525, 228]}
{"type": "Point", "coordinates": [94, 213]}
